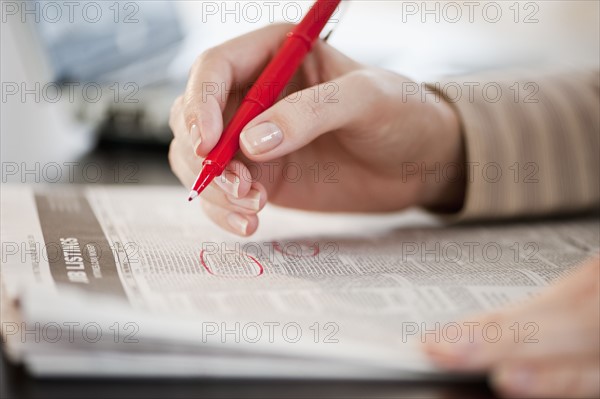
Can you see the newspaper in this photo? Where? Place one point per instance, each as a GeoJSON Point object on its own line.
{"type": "Point", "coordinates": [135, 281]}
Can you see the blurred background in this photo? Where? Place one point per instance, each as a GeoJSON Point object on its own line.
{"type": "Point", "coordinates": [98, 77]}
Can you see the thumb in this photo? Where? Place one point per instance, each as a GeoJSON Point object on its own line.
{"type": "Point", "coordinates": [299, 118]}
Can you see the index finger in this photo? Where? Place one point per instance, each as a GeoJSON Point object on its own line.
{"type": "Point", "coordinates": [214, 76]}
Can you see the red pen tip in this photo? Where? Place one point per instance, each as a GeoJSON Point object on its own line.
{"type": "Point", "coordinates": [207, 175]}
{"type": "Point", "coordinates": [193, 194]}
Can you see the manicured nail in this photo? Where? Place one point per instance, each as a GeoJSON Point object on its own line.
{"type": "Point", "coordinates": [196, 137]}
{"type": "Point", "coordinates": [262, 138]}
{"type": "Point", "coordinates": [229, 182]}
{"type": "Point", "coordinates": [250, 201]}
{"type": "Point", "coordinates": [514, 379]}
{"type": "Point", "coordinates": [238, 223]}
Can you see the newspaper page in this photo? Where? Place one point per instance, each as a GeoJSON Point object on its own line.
{"type": "Point", "coordinates": [126, 280]}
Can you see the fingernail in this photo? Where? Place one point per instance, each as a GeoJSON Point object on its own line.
{"type": "Point", "coordinates": [262, 138]}
{"type": "Point", "coordinates": [514, 379]}
{"type": "Point", "coordinates": [229, 182]}
{"type": "Point", "coordinates": [238, 223]}
{"type": "Point", "coordinates": [250, 201]}
{"type": "Point", "coordinates": [196, 137]}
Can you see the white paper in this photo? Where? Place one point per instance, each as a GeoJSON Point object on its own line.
{"type": "Point", "coordinates": [174, 295]}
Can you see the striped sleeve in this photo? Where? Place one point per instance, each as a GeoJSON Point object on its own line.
{"type": "Point", "coordinates": [532, 144]}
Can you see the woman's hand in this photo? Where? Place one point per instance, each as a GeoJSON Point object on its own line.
{"type": "Point", "coordinates": [559, 354]}
{"type": "Point", "coordinates": [346, 138]}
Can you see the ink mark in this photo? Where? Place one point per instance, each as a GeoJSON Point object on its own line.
{"type": "Point", "coordinates": [235, 265]}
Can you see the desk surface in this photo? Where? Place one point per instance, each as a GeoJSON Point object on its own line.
{"type": "Point", "coordinates": [16, 383]}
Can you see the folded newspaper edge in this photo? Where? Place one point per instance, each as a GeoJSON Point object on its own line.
{"type": "Point", "coordinates": [133, 281]}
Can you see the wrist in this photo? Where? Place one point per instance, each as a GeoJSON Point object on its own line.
{"type": "Point", "coordinates": [446, 192]}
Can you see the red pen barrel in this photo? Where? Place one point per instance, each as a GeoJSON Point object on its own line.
{"type": "Point", "coordinates": [317, 17]}
{"type": "Point", "coordinates": [262, 95]}
{"type": "Point", "coordinates": [272, 81]}
{"type": "Point", "coordinates": [294, 49]}
{"type": "Point", "coordinates": [267, 89]}
{"type": "Point", "coordinates": [229, 144]}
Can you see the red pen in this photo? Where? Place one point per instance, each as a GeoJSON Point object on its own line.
{"type": "Point", "coordinates": [265, 91]}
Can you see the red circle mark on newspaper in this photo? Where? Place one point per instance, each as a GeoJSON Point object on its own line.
{"type": "Point", "coordinates": [308, 250]}
{"type": "Point", "coordinates": [259, 270]}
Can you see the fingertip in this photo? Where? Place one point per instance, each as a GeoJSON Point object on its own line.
{"type": "Point", "coordinates": [204, 123]}
{"type": "Point", "coordinates": [242, 225]}
{"type": "Point", "coordinates": [252, 225]}
{"type": "Point", "coordinates": [229, 183]}
{"type": "Point", "coordinates": [441, 357]}
{"type": "Point", "coordinates": [264, 196]}
{"type": "Point", "coordinates": [259, 142]}
{"type": "Point", "coordinates": [205, 134]}
{"type": "Point", "coordinates": [238, 223]}
{"type": "Point", "coordinates": [243, 176]}
{"type": "Point", "coordinates": [234, 222]}
{"type": "Point", "coordinates": [245, 185]}
{"type": "Point", "coordinates": [498, 380]}
{"type": "Point", "coordinates": [511, 380]}
{"type": "Point", "coordinates": [196, 138]}
{"type": "Point", "coordinates": [252, 203]}
{"type": "Point", "coordinates": [246, 149]}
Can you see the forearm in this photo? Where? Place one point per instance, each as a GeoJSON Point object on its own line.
{"type": "Point", "coordinates": [531, 154]}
